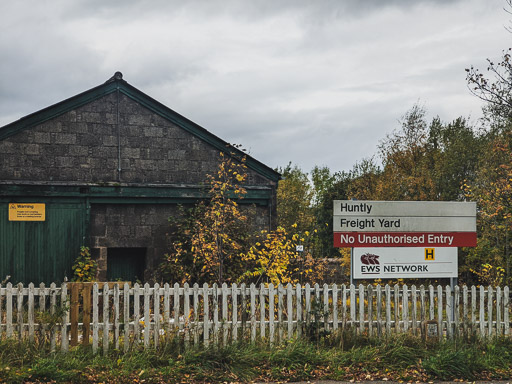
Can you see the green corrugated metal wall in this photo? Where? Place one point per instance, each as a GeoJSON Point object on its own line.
{"type": "Point", "coordinates": [42, 251]}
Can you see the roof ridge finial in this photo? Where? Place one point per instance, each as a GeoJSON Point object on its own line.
{"type": "Point", "coordinates": [117, 76]}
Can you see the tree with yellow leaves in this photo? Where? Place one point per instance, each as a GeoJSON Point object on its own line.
{"type": "Point", "coordinates": [213, 234]}
{"type": "Point", "coordinates": [492, 190]}
{"type": "Point", "coordinates": [277, 261]}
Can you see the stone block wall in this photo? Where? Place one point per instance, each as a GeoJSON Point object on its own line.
{"type": "Point", "coordinates": [91, 143]}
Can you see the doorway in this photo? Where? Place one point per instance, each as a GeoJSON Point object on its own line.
{"type": "Point", "coordinates": [126, 264]}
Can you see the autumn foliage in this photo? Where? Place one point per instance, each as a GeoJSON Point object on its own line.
{"type": "Point", "coordinates": [214, 242]}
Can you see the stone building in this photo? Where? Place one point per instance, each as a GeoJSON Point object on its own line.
{"type": "Point", "coordinates": [106, 169]}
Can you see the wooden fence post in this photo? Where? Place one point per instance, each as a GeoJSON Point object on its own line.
{"type": "Point", "coordinates": [86, 299]}
{"type": "Point", "coordinates": [74, 313]}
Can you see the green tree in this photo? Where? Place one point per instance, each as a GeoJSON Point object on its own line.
{"type": "Point", "coordinates": [406, 174]}
{"type": "Point", "coordinates": [492, 190]}
{"type": "Point", "coordinates": [362, 181]}
{"type": "Point", "coordinates": [454, 152]}
{"type": "Point", "coordinates": [294, 199]}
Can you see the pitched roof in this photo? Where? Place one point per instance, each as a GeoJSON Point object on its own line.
{"type": "Point", "coordinates": [114, 84]}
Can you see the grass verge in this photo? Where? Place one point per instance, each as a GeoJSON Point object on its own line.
{"type": "Point", "coordinates": [337, 357]}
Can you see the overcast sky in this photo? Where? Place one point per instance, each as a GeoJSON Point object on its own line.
{"type": "Point", "coordinates": [311, 82]}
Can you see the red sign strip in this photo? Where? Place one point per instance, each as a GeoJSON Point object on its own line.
{"type": "Point", "coordinates": [404, 239]}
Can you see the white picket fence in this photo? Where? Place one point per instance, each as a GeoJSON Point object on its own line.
{"type": "Point", "coordinates": [147, 316]}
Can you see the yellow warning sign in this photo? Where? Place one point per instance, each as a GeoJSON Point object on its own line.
{"type": "Point", "coordinates": [430, 253]}
{"type": "Point", "coordinates": [27, 212]}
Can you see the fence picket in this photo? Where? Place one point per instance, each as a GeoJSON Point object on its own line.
{"type": "Point", "coordinates": [176, 306]}
{"type": "Point", "coordinates": [280, 305]}
{"type": "Point", "coordinates": [414, 309]}
{"type": "Point", "coordinates": [432, 303]}
{"type": "Point", "coordinates": [396, 291]}
{"type": "Point", "coordinates": [423, 309]}
{"type": "Point", "coordinates": [298, 307]}
{"type": "Point", "coordinates": [449, 312]}
{"type": "Point", "coordinates": [262, 311]}
{"type": "Point", "coordinates": [465, 309]}
{"type": "Point", "coordinates": [136, 313]}
{"type": "Point", "coordinates": [440, 326]}
{"type": "Point", "coordinates": [147, 316]}
{"type": "Point", "coordinates": [335, 307]}
{"type": "Point", "coordinates": [8, 310]}
{"type": "Point", "coordinates": [253, 312]}
{"type": "Point", "coordinates": [106, 318]}
{"type": "Point", "coordinates": [498, 311]}
{"type": "Point", "coordinates": [482, 313]}
{"type": "Point", "coordinates": [379, 310]}
{"type": "Point", "coordinates": [206, 316]}
{"type": "Point", "coordinates": [307, 293]}
{"type": "Point", "coordinates": [456, 308]}
{"type": "Point", "coordinates": [361, 308]}
{"type": "Point", "coordinates": [167, 311]}
{"type": "Point", "coordinates": [234, 323]}
{"type": "Point", "coordinates": [30, 311]}
{"type": "Point", "coordinates": [473, 308]}
{"type": "Point", "coordinates": [326, 307]}
{"type": "Point", "coordinates": [506, 322]}
{"type": "Point", "coordinates": [243, 312]}
{"type": "Point", "coordinates": [289, 301]}
{"type": "Point", "coordinates": [95, 316]}
{"type": "Point", "coordinates": [490, 300]}
{"type": "Point", "coordinates": [352, 305]}
{"type": "Point", "coordinates": [215, 305]}
{"type": "Point", "coordinates": [405, 308]}
{"type": "Point", "coordinates": [19, 318]}
{"type": "Point", "coordinates": [224, 313]}
{"type": "Point", "coordinates": [64, 328]}
{"type": "Point", "coordinates": [186, 313]}
{"type": "Point", "coordinates": [116, 315]}
{"type": "Point", "coordinates": [196, 314]}
{"type": "Point", "coordinates": [271, 314]}
{"type": "Point", "coordinates": [344, 305]}
{"type": "Point", "coordinates": [388, 309]}
{"type": "Point", "coordinates": [156, 314]}
{"type": "Point", "coordinates": [126, 316]}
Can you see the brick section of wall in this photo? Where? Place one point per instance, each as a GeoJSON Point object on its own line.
{"type": "Point", "coordinates": [82, 145]}
{"type": "Point", "coordinates": [140, 226]}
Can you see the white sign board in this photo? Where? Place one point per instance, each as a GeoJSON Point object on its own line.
{"type": "Point", "coordinates": [404, 224]}
{"type": "Point", "coordinates": [393, 263]}
{"type": "Point", "coordinates": [369, 208]}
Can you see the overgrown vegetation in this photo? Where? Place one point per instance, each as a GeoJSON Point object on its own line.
{"type": "Point", "coordinates": [213, 242]}
{"type": "Point", "coordinates": [336, 357]}
{"type": "Point", "coordinates": [85, 267]}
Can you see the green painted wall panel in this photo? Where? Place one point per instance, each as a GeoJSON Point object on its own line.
{"type": "Point", "coordinates": [41, 251]}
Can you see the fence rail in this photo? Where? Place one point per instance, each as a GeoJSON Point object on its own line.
{"type": "Point", "coordinates": [124, 316]}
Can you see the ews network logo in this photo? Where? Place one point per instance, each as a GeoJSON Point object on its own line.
{"type": "Point", "coordinates": [370, 263]}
